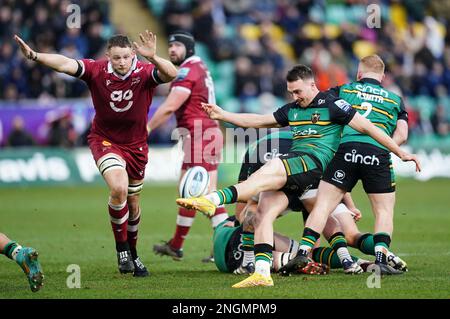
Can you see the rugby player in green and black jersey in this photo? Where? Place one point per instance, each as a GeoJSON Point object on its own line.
{"type": "Point", "coordinates": [361, 157]}
{"type": "Point", "coordinates": [316, 120]}
{"type": "Point", "coordinates": [236, 252]}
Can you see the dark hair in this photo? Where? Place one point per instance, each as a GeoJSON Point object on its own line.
{"type": "Point", "coordinates": [186, 38]}
{"type": "Point", "coordinates": [119, 40]}
{"type": "Point", "coordinates": [299, 72]}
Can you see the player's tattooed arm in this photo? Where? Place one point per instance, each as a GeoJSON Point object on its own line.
{"type": "Point", "coordinates": [57, 62]}
{"type": "Point", "coordinates": [147, 48]}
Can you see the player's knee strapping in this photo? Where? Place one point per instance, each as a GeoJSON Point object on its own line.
{"type": "Point", "coordinates": [109, 162]}
{"type": "Point", "coordinates": [135, 189]}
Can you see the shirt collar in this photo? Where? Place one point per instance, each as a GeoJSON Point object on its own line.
{"type": "Point", "coordinates": [316, 99]}
{"type": "Point", "coordinates": [123, 77]}
{"type": "Point", "coordinates": [370, 80]}
{"type": "Point", "coordinates": [193, 58]}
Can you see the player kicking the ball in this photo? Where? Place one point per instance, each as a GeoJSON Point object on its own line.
{"type": "Point", "coordinates": [122, 90]}
{"type": "Point", "coordinates": [316, 120]}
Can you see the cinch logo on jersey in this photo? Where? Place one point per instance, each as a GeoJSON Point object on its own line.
{"type": "Point", "coordinates": [354, 157]}
{"type": "Point", "coordinates": [371, 89]}
{"type": "Point", "coordinates": [304, 133]}
{"type": "Point", "coordinates": [270, 155]}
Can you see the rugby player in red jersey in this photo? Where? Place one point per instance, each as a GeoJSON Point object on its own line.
{"type": "Point", "coordinates": [122, 89]}
{"type": "Point", "coordinates": [202, 138]}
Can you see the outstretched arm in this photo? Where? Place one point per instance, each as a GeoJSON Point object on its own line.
{"type": "Point", "coordinates": [363, 125]}
{"type": "Point", "coordinates": [174, 101]}
{"type": "Point", "coordinates": [240, 119]}
{"type": "Point", "coordinates": [147, 48]}
{"type": "Point", "coordinates": [57, 62]}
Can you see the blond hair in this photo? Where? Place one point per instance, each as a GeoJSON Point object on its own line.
{"type": "Point", "coordinates": [372, 63]}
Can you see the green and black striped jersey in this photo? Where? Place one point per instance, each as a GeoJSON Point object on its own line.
{"type": "Point", "coordinates": [382, 107]}
{"type": "Point", "coordinates": [316, 129]}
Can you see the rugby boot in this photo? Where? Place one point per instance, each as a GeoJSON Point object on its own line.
{"type": "Point", "coordinates": [165, 249]}
{"type": "Point", "coordinates": [201, 204]}
{"type": "Point", "coordinates": [255, 280]}
{"type": "Point", "coordinates": [139, 268]}
{"type": "Point", "coordinates": [125, 262]}
{"type": "Point", "coordinates": [27, 258]}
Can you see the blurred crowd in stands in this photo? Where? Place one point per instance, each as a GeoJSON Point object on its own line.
{"type": "Point", "coordinates": [43, 24]}
{"type": "Point", "coordinates": [250, 44]}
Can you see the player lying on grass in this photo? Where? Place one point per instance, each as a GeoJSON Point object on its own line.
{"type": "Point", "coordinates": [230, 240]}
{"type": "Point", "coordinates": [273, 145]}
{"type": "Point", "coordinates": [26, 258]}
{"type": "Point", "coordinates": [316, 120]}
{"type": "Point", "coordinates": [122, 89]}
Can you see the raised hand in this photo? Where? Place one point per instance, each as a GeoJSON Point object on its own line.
{"type": "Point", "coordinates": [26, 50]}
{"type": "Point", "coordinates": [214, 112]}
{"type": "Point", "coordinates": [147, 45]}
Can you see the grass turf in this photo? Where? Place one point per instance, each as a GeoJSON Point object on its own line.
{"type": "Point", "coordinates": [70, 225]}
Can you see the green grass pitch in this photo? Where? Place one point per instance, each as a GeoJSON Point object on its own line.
{"type": "Point", "coordinates": [70, 225]}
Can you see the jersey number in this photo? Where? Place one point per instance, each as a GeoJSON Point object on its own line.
{"type": "Point", "coordinates": [210, 85]}
{"type": "Point", "coordinates": [118, 96]}
{"type": "Point", "coordinates": [368, 107]}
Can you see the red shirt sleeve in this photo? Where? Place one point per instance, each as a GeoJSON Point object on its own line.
{"type": "Point", "coordinates": [185, 78]}
{"type": "Point", "coordinates": [89, 68]}
{"type": "Point", "coordinates": [152, 73]}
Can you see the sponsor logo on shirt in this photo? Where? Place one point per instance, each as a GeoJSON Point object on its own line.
{"type": "Point", "coordinates": [182, 73]}
{"type": "Point", "coordinates": [306, 132]}
{"type": "Point", "coordinates": [343, 105]}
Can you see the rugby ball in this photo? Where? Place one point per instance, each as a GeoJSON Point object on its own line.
{"type": "Point", "coordinates": [194, 183]}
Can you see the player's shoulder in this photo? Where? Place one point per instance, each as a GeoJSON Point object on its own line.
{"type": "Point", "coordinates": [329, 99]}
{"type": "Point", "coordinates": [289, 106]}
{"type": "Point", "coordinates": [94, 63]}
{"type": "Point", "coordinates": [192, 67]}
{"type": "Point", "coordinates": [326, 98]}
